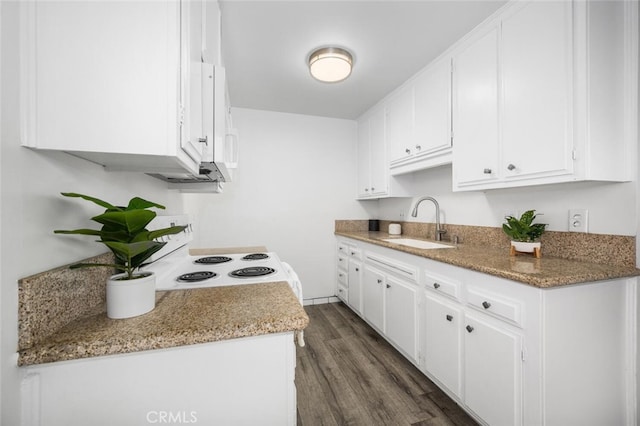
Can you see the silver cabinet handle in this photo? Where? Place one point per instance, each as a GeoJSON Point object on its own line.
{"type": "Point", "coordinates": [486, 304]}
{"type": "Point", "coordinates": [469, 328]}
{"type": "Point", "coordinates": [357, 270]}
{"type": "Point", "coordinates": [379, 281]}
{"type": "Point", "coordinates": [204, 140]}
{"type": "Point", "coordinates": [418, 147]}
{"type": "Point", "coordinates": [366, 190]}
{"type": "Point", "coordinates": [408, 151]}
{"type": "Point", "coordinates": [372, 188]}
{"type": "Point", "coordinates": [511, 167]}
{"type": "Point", "coordinates": [436, 285]}
{"type": "Point", "coordinates": [388, 286]}
{"type": "Point", "coordinates": [352, 253]}
{"type": "Point", "coordinates": [449, 318]}
{"type": "Point", "coordinates": [487, 171]}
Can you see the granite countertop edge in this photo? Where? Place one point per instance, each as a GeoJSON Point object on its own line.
{"type": "Point", "coordinates": [180, 318]}
{"type": "Point", "coordinates": [548, 272]}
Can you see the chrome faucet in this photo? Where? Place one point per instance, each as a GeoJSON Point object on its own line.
{"type": "Point", "coordinates": [439, 231]}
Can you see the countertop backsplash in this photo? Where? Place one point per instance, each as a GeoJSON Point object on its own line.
{"type": "Point", "coordinates": [617, 250]}
{"type": "Point", "coordinates": [50, 300]}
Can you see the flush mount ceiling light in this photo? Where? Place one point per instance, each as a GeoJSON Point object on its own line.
{"type": "Point", "coordinates": [330, 64]}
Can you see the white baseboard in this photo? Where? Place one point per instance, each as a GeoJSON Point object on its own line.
{"type": "Point", "coordinates": [320, 300]}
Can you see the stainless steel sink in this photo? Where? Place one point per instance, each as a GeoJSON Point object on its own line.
{"type": "Point", "coordinates": [410, 242]}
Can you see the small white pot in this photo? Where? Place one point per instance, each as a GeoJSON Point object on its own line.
{"type": "Point", "coordinates": [130, 298]}
{"type": "Point", "coordinates": [525, 247]}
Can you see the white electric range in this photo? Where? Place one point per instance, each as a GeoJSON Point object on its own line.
{"type": "Point", "coordinates": [176, 269]}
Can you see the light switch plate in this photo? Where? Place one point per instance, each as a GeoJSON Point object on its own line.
{"type": "Point", "coordinates": [578, 220]}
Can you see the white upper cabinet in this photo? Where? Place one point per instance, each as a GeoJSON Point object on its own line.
{"type": "Point", "coordinates": [432, 108]}
{"type": "Point", "coordinates": [475, 112]}
{"type": "Point", "coordinates": [372, 161]}
{"type": "Point", "coordinates": [373, 168]}
{"type": "Point", "coordinates": [399, 125]}
{"type": "Point", "coordinates": [544, 93]}
{"type": "Point", "coordinates": [537, 90]}
{"type": "Point", "coordinates": [114, 82]}
{"type": "Point", "coordinates": [195, 139]}
{"type": "Point", "coordinates": [419, 120]}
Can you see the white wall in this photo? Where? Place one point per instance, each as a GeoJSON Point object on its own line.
{"type": "Point", "coordinates": [296, 176]}
{"type": "Point", "coordinates": [611, 206]}
{"type": "Point", "coordinates": [31, 208]}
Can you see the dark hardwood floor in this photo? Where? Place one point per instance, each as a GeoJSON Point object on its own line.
{"type": "Point", "coordinates": [347, 374]}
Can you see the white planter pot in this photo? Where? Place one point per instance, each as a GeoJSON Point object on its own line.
{"type": "Point", "coordinates": [524, 247]}
{"type": "Point", "coordinates": [130, 298]}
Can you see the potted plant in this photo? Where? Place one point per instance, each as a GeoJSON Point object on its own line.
{"type": "Point", "coordinates": [131, 292]}
{"type": "Point", "coordinates": [525, 234]}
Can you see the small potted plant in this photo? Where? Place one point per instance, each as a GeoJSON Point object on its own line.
{"type": "Point", "coordinates": [525, 235]}
{"type": "Point", "coordinates": [131, 292]}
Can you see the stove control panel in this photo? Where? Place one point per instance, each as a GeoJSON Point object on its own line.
{"type": "Point", "coordinates": [175, 241]}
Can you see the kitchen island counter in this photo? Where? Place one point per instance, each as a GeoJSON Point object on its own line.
{"type": "Point", "coordinates": [544, 272]}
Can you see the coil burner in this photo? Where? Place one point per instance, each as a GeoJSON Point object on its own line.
{"type": "Point", "coordinates": [213, 260]}
{"type": "Point", "coordinates": [252, 271]}
{"type": "Point", "coordinates": [194, 277]}
{"type": "Point", "coordinates": [256, 256]}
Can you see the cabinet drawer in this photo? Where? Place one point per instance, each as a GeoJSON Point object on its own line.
{"type": "Point", "coordinates": [404, 270]}
{"type": "Point", "coordinates": [442, 285]}
{"type": "Point", "coordinates": [355, 253]}
{"type": "Point", "coordinates": [343, 262]}
{"type": "Point", "coordinates": [505, 309]}
{"type": "Point", "coordinates": [343, 294]}
{"type": "Point", "coordinates": [343, 248]}
{"type": "Point", "coordinates": [343, 278]}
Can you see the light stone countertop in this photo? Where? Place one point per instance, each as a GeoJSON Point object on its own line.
{"type": "Point", "coordinates": [181, 317]}
{"type": "Point", "coordinates": [62, 314]}
{"type": "Point", "coordinates": [545, 272]}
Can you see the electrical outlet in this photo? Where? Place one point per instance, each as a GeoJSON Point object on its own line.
{"type": "Point", "coordinates": [578, 220]}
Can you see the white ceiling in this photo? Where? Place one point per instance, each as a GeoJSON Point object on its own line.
{"type": "Point", "coordinates": [266, 44]}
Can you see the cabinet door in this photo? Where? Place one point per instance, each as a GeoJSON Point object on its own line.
{"type": "Point", "coordinates": [493, 370]}
{"type": "Point", "coordinates": [401, 315]}
{"type": "Point", "coordinates": [475, 111]}
{"type": "Point", "coordinates": [399, 125]}
{"type": "Point", "coordinates": [364, 157]}
{"type": "Point", "coordinates": [379, 168]}
{"type": "Point", "coordinates": [194, 138]}
{"type": "Point", "coordinates": [355, 285]}
{"type": "Point", "coordinates": [102, 76]}
{"type": "Point", "coordinates": [442, 348]}
{"type": "Point", "coordinates": [211, 37]}
{"type": "Point", "coordinates": [373, 285]}
{"type": "Point", "coordinates": [536, 73]}
{"type": "Point", "coordinates": [432, 108]}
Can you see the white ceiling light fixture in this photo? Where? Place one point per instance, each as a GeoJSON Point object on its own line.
{"type": "Point", "coordinates": [330, 64]}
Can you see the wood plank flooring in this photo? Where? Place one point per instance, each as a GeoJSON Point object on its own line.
{"type": "Point", "coordinates": [347, 374]}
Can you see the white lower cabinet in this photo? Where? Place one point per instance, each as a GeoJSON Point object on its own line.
{"type": "Point", "coordinates": [508, 353]}
{"type": "Point", "coordinates": [349, 275]}
{"type": "Point", "coordinates": [401, 299]}
{"type": "Point", "coordinates": [373, 289]}
{"type": "Point", "coordinates": [442, 333]}
{"type": "Point", "coordinates": [492, 372]}
{"type": "Point", "coordinates": [203, 384]}
{"type": "Point", "coordinates": [355, 285]}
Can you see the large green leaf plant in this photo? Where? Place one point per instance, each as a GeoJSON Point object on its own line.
{"type": "Point", "coordinates": [524, 229]}
{"type": "Point", "coordinates": [124, 232]}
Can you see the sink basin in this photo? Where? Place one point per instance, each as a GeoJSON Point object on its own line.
{"type": "Point", "coordinates": [416, 243]}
